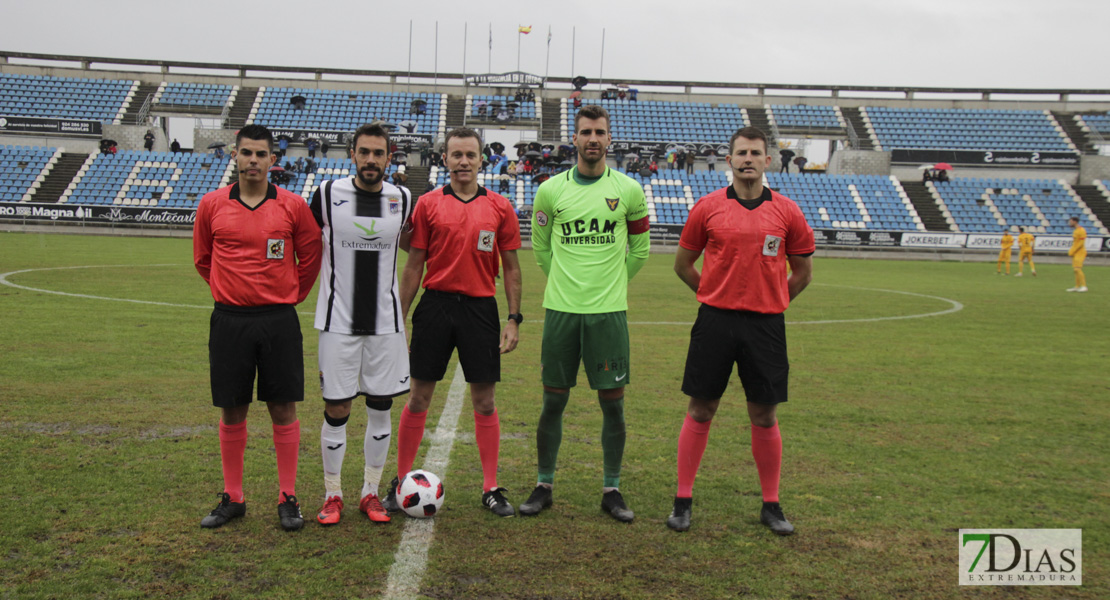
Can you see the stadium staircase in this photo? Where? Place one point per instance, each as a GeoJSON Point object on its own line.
{"type": "Point", "coordinates": [60, 177]}
{"type": "Point", "coordinates": [1093, 198]}
{"type": "Point", "coordinates": [551, 120]}
{"type": "Point", "coordinates": [418, 178]}
{"type": "Point", "coordinates": [1077, 135]}
{"type": "Point", "coordinates": [925, 205]}
{"type": "Point", "coordinates": [145, 91]}
{"type": "Point", "coordinates": [241, 108]}
{"type": "Point", "coordinates": [855, 119]}
{"type": "Point", "coordinates": [456, 113]}
{"type": "Point", "coordinates": [758, 118]}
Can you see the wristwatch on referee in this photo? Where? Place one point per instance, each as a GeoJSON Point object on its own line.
{"type": "Point", "coordinates": [519, 318]}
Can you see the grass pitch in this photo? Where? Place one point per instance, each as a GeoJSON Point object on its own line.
{"type": "Point", "coordinates": [898, 433]}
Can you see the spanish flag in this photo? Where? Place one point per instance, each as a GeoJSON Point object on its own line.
{"type": "Point", "coordinates": [525, 29]}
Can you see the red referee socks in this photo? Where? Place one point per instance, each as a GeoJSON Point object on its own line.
{"type": "Point", "coordinates": [287, 443]}
{"type": "Point", "coordinates": [233, 444]}
{"type": "Point", "coordinates": [767, 450]}
{"type": "Point", "coordinates": [487, 434]}
{"type": "Point", "coordinates": [410, 430]}
{"type": "Point", "coordinates": [691, 446]}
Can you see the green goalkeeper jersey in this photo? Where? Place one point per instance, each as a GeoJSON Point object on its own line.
{"type": "Point", "coordinates": [590, 236]}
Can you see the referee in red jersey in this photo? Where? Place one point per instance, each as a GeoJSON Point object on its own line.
{"type": "Point", "coordinates": [258, 247]}
{"type": "Point", "coordinates": [460, 231]}
{"type": "Point", "coordinates": [749, 235]}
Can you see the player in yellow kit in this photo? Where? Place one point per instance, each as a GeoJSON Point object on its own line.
{"type": "Point", "coordinates": [1004, 254]}
{"type": "Point", "coordinates": [1078, 253]}
{"type": "Point", "coordinates": [1025, 252]}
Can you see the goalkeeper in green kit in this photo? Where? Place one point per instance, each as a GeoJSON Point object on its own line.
{"type": "Point", "coordinates": [590, 237]}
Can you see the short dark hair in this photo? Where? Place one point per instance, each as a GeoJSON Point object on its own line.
{"type": "Point", "coordinates": [748, 133]}
{"type": "Point", "coordinates": [1022, 229]}
{"type": "Point", "coordinates": [462, 132]}
{"type": "Point", "coordinates": [1076, 219]}
{"type": "Point", "coordinates": [592, 111]}
{"type": "Point", "coordinates": [372, 130]}
{"type": "Point", "coordinates": [255, 132]}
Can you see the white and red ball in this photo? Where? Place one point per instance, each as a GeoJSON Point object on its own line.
{"type": "Point", "coordinates": [420, 494]}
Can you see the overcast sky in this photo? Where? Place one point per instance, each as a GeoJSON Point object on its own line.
{"type": "Point", "coordinates": [932, 43]}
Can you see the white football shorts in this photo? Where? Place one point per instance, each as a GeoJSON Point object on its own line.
{"type": "Point", "coordinates": [373, 365]}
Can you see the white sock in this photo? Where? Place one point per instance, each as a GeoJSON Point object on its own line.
{"type": "Point", "coordinates": [333, 446]}
{"type": "Point", "coordinates": [375, 447]}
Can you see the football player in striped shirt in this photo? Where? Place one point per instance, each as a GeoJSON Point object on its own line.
{"type": "Point", "coordinates": [363, 351]}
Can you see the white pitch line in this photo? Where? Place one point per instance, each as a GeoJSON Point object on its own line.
{"type": "Point", "coordinates": [411, 558]}
{"type": "Point", "coordinates": [955, 307]}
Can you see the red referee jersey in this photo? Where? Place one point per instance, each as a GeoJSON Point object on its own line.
{"type": "Point", "coordinates": [746, 249]}
{"type": "Point", "coordinates": [255, 257]}
{"type": "Point", "coordinates": [464, 239]}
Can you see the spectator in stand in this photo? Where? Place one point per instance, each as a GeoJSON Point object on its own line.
{"type": "Point", "coordinates": [309, 165]}
{"type": "Point", "coordinates": [219, 151]}
{"type": "Point", "coordinates": [324, 147]}
{"type": "Point", "coordinates": [511, 170]}
{"type": "Point", "coordinates": [786, 154]}
{"type": "Point", "coordinates": [148, 140]}
{"type": "Point", "coordinates": [619, 157]}
{"type": "Point", "coordinates": [670, 158]}
{"type": "Point", "coordinates": [298, 165]}
{"type": "Point", "coordinates": [711, 161]}
{"type": "Point", "coordinates": [527, 167]}
{"type": "Point", "coordinates": [801, 162]}
{"type": "Point", "coordinates": [654, 167]}
{"type": "Point", "coordinates": [577, 102]}
{"type": "Point", "coordinates": [283, 145]}
{"type": "Point", "coordinates": [679, 159]}
{"type": "Point", "coordinates": [425, 156]}
{"type": "Point", "coordinates": [690, 158]}
{"type": "Point", "coordinates": [311, 144]}
{"type": "Point", "coordinates": [175, 146]}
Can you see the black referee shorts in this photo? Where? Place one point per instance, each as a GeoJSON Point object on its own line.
{"type": "Point", "coordinates": [444, 321]}
{"type": "Point", "coordinates": [246, 339]}
{"type": "Point", "coordinates": [754, 342]}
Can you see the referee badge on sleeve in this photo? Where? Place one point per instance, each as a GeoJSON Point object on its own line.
{"type": "Point", "coordinates": [275, 249]}
{"type": "Point", "coordinates": [485, 241]}
{"type": "Point", "coordinates": [771, 245]}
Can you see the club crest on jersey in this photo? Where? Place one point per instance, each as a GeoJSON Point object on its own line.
{"type": "Point", "coordinates": [485, 241]}
{"type": "Point", "coordinates": [612, 202]}
{"type": "Point", "coordinates": [771, 245]}
{"type": "Point", "coordinates": [394, 207]}
{"type": "Point", "coordinates": [275, 249]}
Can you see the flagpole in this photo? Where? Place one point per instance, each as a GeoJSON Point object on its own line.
{"type": "Point", "coordinates": [464, 55]}
{"type": "Point", "coordinates": [547, 67]}
{"type": "Point", "coordinates": [408, 86]}
{"type": "Point", "coordinates": [489, 64]}
{"type": "Point", "coordinates": [573, 37]}
{"type": "Point", "coordinates": [435, 78]}
{"type": "Point", "coordinates": [518, 34]}
{"type": "Point", "coordinates": [601, 70]}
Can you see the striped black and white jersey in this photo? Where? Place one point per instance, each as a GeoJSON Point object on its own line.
{"type": "Point", "coordinates": [359, 294]}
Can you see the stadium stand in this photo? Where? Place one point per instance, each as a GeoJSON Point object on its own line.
{"type": "Point", "coordinates": [976, 205]}
{"type": "Point", "coordinates": [967, 129]}
{"type": "Point", "coordinates": [801, 116]}
{"type": "Point", "coordinates": [22, 169]}
{"type": "Point", "coordinates": [133, 178]}
{"type": "Point", "coordinates": [869, 202]}
{"type": "Point", "coordinates": [343, 110]}
{"type": "Point", "coordinates": [327, 169]}
{"type": "Point", "coordinates": [521, 111]}
{"type": "Point", "coordinates": [104, 100]}
{"type": "Point", "coordinates": [663, 121]}
{"type": "Point", "coordinates": [1099, 123]}
{"type": "Point", "coordinates": [196, 94]}
{"type": "Point", "coordinates": [521, 187]}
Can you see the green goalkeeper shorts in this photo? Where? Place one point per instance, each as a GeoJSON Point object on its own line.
{"type": "Point", "coordinates": [598, 341]}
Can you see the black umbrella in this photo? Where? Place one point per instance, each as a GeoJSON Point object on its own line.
{"type": "Point", "coordinates": [533, 154]}
{"type": "Point", "coordinates": [388, 125]}
{"type": "Point", "coordinates": [552, 159]}
{"type": "Point", "coordinates": [548, 147]}
{"type": "Point", "coordinates": [534, 146]}
{"type": "Point", "coordinates": [498, 147]}
{"type": "Point", "coordinates": [566, 163]}
{"type": "Point", "coordinates": [579, 82]}
{"type": "Point", "coordinates": [542, 177]}
{"type": "Point", "coordinates": [297, 101]}
{"type": "Point", "coordinates": [519, 144]}
{"type": "Point", "coordinates": [212, 145]}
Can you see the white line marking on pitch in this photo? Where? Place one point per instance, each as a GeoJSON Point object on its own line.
{"type": "Point", "coordinates": [955, 307]}
{"type": "Point", "coordinates": [411, 557]}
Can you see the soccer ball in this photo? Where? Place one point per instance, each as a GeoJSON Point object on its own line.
{"type": "Point", "coordinates": [420, 494]}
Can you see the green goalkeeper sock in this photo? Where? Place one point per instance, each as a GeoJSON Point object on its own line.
{"type": "Point", "coordinates": [549, 434]}
{"type": "Point", "coordinates": [612, 440]}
